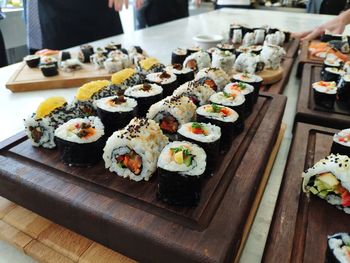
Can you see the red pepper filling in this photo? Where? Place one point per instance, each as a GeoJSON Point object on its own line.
{"type": "Point", "coordinates": [169, 124]}
{"type": "Point", "coordinates": [36, 133]}
{"type": "Point", "coordinates": [132, 161]}
{"type": "Point", "coordinates": [192, 64]}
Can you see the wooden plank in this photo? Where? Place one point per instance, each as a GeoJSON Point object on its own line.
{"type": "Point", "coordinates": [5, 207]}
{"type": "Point", "coordinates": [14, 236]}
{"type": "Point", "coordinates": [44, 254]}
{"type": "Point", "coordinates": [292, 48]}
{"type": "Point", "coordinates": [123, 215]}
{"type": "Point", "coordinates": [101, 254]}
{"type": "Point", "coordinates": [64, 241]}
{"type": "Point", "coordinates": [309, 112]}
{"type": "Point", "coordinates": [26, 221]}
{"type": "Point", "coordinates": [300, 225]}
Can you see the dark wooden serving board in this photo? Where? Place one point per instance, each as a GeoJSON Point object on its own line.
{"type": "Point", "coordinates": [309, 112]}
{"type": "Point", "coordinates": [292, 48]}
{"type": "Point", "coordinates": [126, 216]}
{"type": "Point", "coordinates": [300, 225]}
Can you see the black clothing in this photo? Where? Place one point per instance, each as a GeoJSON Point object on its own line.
{"type": "Point", "coordinates": [3, 56]}
{"type": "Point", "coordinates": [332, 7]}
{"type": "Point", "coordinates": [154, 12]}
{"type": "Point", "coordinates": [216, 6]}
{"type": "Point", "coordinates": [67, 23]}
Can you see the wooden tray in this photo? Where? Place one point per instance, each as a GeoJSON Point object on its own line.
{"type": "Point", "coordinates": [26, 79]}
{"type": "Point", "coordinates": [126, 216]}
{"type": "Point", "coordinates": [300, 225]}
{"type": "Point", "coordinates": [309, 112]}
{"type": "Point", "coordinates": [292, 48]}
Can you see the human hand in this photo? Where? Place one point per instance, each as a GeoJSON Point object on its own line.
{"type": "Point", "coordinates": [118, 4]}
{"type": "Point", "coordinates": [198, 3]}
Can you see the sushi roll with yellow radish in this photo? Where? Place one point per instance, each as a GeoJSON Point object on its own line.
{"type": "Point", "coordinates": [80, 141]}
{"type": "Point", "coordinates": [51, 113]}
{"type": "Point", "coordinates": [150, 65]}
{"type": "Point", "coordinates": [329, 179]}
{"type": "Point", "coordinates": [197, 92]}
{"type": "Point", "coordinates": [127, 78]}
{"type": "Point", "coordinates": [133, 152]}
{"type": "Point", "coordinates": [181, 167]}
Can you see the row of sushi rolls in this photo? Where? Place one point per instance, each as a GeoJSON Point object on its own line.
{"type": "Point", "coordinates": [329, 178]}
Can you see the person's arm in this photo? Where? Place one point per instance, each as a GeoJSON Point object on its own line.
{"type": "Point", "coordinates": [198, 2]}
{"type": "Point", "coordinates": [118, 4]}
{"type": "Point", "coordinates": [334, 26]}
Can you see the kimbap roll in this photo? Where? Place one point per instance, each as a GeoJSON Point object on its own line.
{"type": "Point", "coordinates": [272, 56]}
{"type": "Point", "coordinates": [249, 63]}
{"type": "Point", "coordinates": [112, 47]}
{"type": "Point", "coordinates": [329, 179]}
{"type": "Point", "coordinates": [151, 65]}
{"type": "Point", "coordinates": [51, 113]}
{"type": "Point", "coordinates": [178, 56]}
{"type": "Point", "coordinates": [346, 67]}
{"type": "Point", "coordinates": [70, 65]}
{"type": "Point", "coordinates": [127, 78]}
{"type": "Point", "coordinates": [97, 60]}
{"type": "Point", "coordinates": [145, 94]}
{"type": "Point", "coordinates": [248, 39]}
{"type": "Point", "coordinates": [341, 143]}
{"type": "Point", "coordinates": [343, 93]}
{"type": "Point", "coordinates": [85, 52]}
{"type": "Point", "coordinates": [332, 63]}
{"type": "Point", "coordinates": [224, 60]}
{"type": "Point", "coordinates": [181, 166]}
{"type": "Point", "coordinates": [236, 34]}
{"type": "Point", "coordinates": [133, 151]}
{"type": "Point", "coordinates": [325, 93]}
{"type": "Point", "coordinates": [64, 55]}
{"type": "Point", "coordinates": [216, 78]}
{"type": "Point", "coordinates": [226, 47]}
{"type": "Point", "coordinates": [197, 61]}
{"type": "Point", "coordinates": [171, 112]}
{"type": "Point", "coordinates": [198, 93]}
{"type": "Point", "coordinates": [122, 58]}
{"type": "Point", "coordinates": [332, 74]}
{"type": "Point", "coordinates": [32, 61]}
{"type": "Point", "coordinates": [116, 112]}
{"type": "Point", "coordinates": [167, 80]}
{"type": "Point", "coordinates": [80, 141]}
{"type": "Point", "coordinates": [193, 49]}
{"type": "Point", "coordinates": [248, 92]}
{"type": "Point", "coordinates": [251, 79]}
{"type": "Point", "coordinates": [112, 65]}
{"type": "Point", "coordinates": [49, 70]}
{"type": "Point", "coordinates": [338, 248]}
{"type": "Point", "coordinates": [259, 36]}
{"type": "Point", "coordinates": [182, 74]}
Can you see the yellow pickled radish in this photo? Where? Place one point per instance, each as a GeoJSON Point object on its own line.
{"type": "Point", "coordinates": [86, 91]}
{"type": "Point", "coordinates": [148, 63]}
{"type": "Point", "coordinates": [120, 76]}
{"type": "Point", "coordinates": [178, 157]}
{"type": "Point", "coordinates": [48, 106]}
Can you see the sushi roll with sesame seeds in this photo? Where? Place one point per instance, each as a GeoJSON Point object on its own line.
{"type": "Point", "coordinates": [248, 92]}
{"type": "Point", "coordinates": [329, 179]}
{"type": "Point", "coordinates": [80, 141]}
{"type": "Point", "coordinates": [182, 74]}
{"type": "Point", "coordinates": [341, 143]}
{"type": "Point", "coordinates": [150, 65]}
{"type": "Point", "coordinates": [51, 113]}
{"type": "Point", "coordinates": [171, 112]}
{"type": "Point", "coordinates": [215, 77]}
{"type": "Point", "coordinates": [133, 152]}
{"type": "Point", "coordinates": [325, 93]}
{"type": "Point", "coordinates": [116, 112]}
{"type": "Point", "coordinates": [198, 93]}
{"type": "Point", "coordinates": [166, 79]}
{"type": "Point", "coordinates": [181, 166]}
{"type": "Point", "coordinates": [338, 248]}
{"type": "Point", "coordinates": [145, 94]}
{"type": "Point", "coordinates": [127, 78]}
{"type": "Point", "coordinates": [197, 61]}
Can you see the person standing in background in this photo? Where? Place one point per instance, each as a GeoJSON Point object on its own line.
{"type": "Point", "coordinates": [33, 28]}
{"type": "Point", "coordinates": [154, 12]}
{"type": "Point", "coordinates": [3, 57]}
{"type": "Point", "coordinates": [232, 4]}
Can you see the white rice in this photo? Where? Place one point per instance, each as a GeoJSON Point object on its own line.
{"type": "Point", "coordinates": [68, 130]}
{"type": "Point", "coordinates": [138, 92]}
{"type": "Point", "coordinates": [220, 98]}
{"type": "Point", "coordinates": [237, 36]}
{"type": "Point", "coordinates": [246, 77]}
{"type": "Point", "coordinates": [335, 71]}
{"type": "Point", "coordinates": [337, 245]}
{"type": "Point", "coordinates": [193, 88]}
{"type": "Point", "coordinates": [346, 78]}
{"type": "Point", "coordinates": [259, 36]}
{"type": "Point", "coordinates": [248, 88]}
{"type": "Point", "coordinates": [232, 117]}
{"type": "Point", "coordinates": [105, 104]}
{"type": "Point", "coordinates": [248, 39]}
{"type": "Point", "coordinates": [341, 134]}
{"type": "Point", "coordinates": [272, 56]}
{"type": "Point", "coordinates": [224, 60]}
{"type": "Point", "coordinates": [180, 51]}
{"type": "Point", "coordinates": [197, 166]}
{"type": "Point", "coordinates": [45, 126]}
{"type": "Point", "coordinates": [331, 89]}
{"type": "Point", "coordinates": [214, 132]}
{"type": "Point", "coordinates": [246, 62]}
{"type": "Point", "coordinates": [177, 71]}
{"type": "Point", "coordinates": [201, 57]}
{"type": "Point", "coordinates": [216, 74]}
{"type": "Point", "coordinates": [157, 78]}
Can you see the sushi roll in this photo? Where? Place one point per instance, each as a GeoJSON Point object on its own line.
{"type": "Point", "coordinates": [249, 63]}
{"type": "Point", "coordinates": [341, 45]}
{"type": "Point", "coordinates": [97, 60]}
{"type": "Point", "coordinates": [112, 65]}
{"type": "Point", "coordinates": [259, 36]}
{"type": "Point", "coordinates": [133, 152]}
{"type": "Point", "coordinates": [276, 38]}
{"type": "Point", "coordinates": [122, 58]}
{"type": "Point", "coordinates": [48, 60]}
{"type": "Point", "coordinates": [80, 141]}
{"type": "Point", "coordinates": [112, 47]}
{"type": "Point", "coordinates": [246, 30]}
{"type": "Point", "coordinates": [341, 143]}
{"type": "Point", "coordinates": [224, 60]}
{"type": "Point", "coordinates": [325, 93]}
{"type": "Point", "coordinates": [90, 92]}
{"type": "Point", "coordinates": [32, 61]}
{"type": "Point", "coordinates": [137, 50]}
{"type": "Point", "coordinates": [171, 112]}
{"type": "Point", "coordinates": [332, 74]}
{"type": "Point", "coordinates": [248, 92]}
{"type": "Point", "coordinates": [271, 56]}
{"type": "Point", "coordinates": [197, 92]}
{"type": "Point", "coordinates": [145, 94]}
{"type": "Point", "coordinates": [338, 248]}
{"type": "Point", "coordinates": [226, 47]}
{"type": "Point", "coordinates": [167, 80]}
{"type": "Point", "coordinates": [332, 63]}
{"type": "Point", "coordinates": [243, 49]}
{"type": "Point", "coordinates": [343, 92]}
{"type": "Point", "coordinates": [193, 49]}
{"type": "Point", "coordinates": [197, 61]}
{"type": "Point", "coordinates": [328, 37]}
{"type": "Point", "coordinates": [248, 39]}
{"type": "Point", "coordinates": [346, 67]}
{"type": "Point", "coordinates": [86, 51]}
{"type": "Point", "coordinates": [182, 74]}
{"type": "Point", "coordinates": [178, 56]}
{"type": "Point", "coordinates": [237, 34]}
{"type": "Point", "coordinates": [127, 78]}
{"type": "Point", "coordinates": [181, 166]}
{"type": "Point", "coordinates": [235, 101]}
{"type": "Point", "coordinates": [49, 70]}
{"type": "Point", "coordinates": [116, 112]}
{"type": "Point", "coordinates": [70, 65]}
{"type": "Point", "coordinates": [51, 113]}
{"type": "Point", "coordinates": [251, 79]}
{"type": "Point", "coordinates": [211, 51]}
{"type": "Point", "coordinates": [221, 116]}
{"type": "Point", "coordinates": [215, 77]}
{"type": "Point", "coordinates": [151, 65]}
{"type": "Point", "coordinates": [329, 179]}
{"type": "Point", "coordinates": [256, 49]}
{"type": "Point", "coordinates": [205, 135]}
{"type": "Point", "coordinates": [64, 55]}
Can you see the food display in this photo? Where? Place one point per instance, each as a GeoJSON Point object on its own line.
{"type": "Point", "coordinates": [199, 93]}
